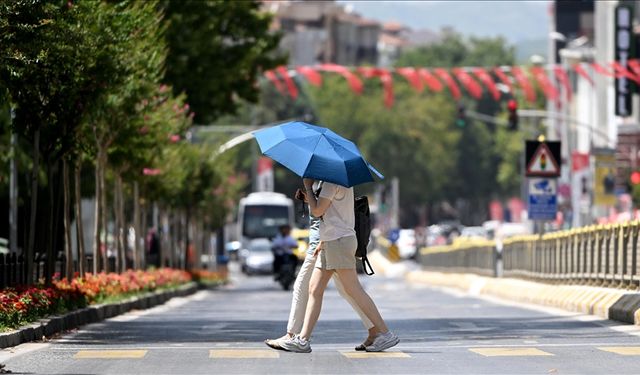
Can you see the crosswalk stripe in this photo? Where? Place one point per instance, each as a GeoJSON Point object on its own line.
{"type": "Point", "coordinates": [363, 355]}
{"type": "Point", "coordinates": [243, 353]}
{"type": "Point", "coordinates": [508, 352]}
{"type": "Point", "coordinates": [622, 350]}
{"type": "Point", "coordinates": [110, 354]}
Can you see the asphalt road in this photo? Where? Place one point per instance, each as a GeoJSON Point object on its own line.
{"type": "Point", "coordinates": [221, 332]}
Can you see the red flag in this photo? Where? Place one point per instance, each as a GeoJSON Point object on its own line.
{"type": "Point", "coordinates": [634, 65]}
{"type": "Point", "coordinates": [291, 86]}
{"type": "Point", "coordinates": [453, 88]}
{"type": "Point", "coordinates": [411, 75]}
{"type": "Point", "coordinates": [468, 82]}
{"type": "Point", "coordinates": [431, 80]}
{"type": "Point", "coordinates": [385, 78]}
{"type": "Point", "coordinates": [271, 76]}
{"type": "Point", "coordinates": [485, 78]}
{"type": "Point", "coordinates": [563, 78]}
{"type": "Point", "coordinates": [550, 91]}
{"type": "Point", "coordinates": [621, 71]}
{"type": "Point", "coordinates": [503, 78]}
{"type": "Point", "coordinates": [354, 82]}
{"type": "Point", "coordinates": [523, 82]}
{"type": "Point", "coordinates": [310, 75]}
{"type": "Point", "coordinates": [580, 70]}
{"type": "Point", "coordinates": [599, 69]}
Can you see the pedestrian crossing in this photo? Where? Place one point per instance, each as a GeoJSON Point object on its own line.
{"type": "Point", "coordinates": [254, 353]}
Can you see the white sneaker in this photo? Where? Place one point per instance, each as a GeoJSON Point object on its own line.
{"type": "Point", "coordinates": [383, 341]}
{"type": "Point", "coordinates": [296, 345]}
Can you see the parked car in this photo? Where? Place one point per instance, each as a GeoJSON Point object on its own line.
{"type": "Point", "coordinates": [302, 237]}
{"type": "Point", "coordinates": [406, 243]}
{"type": "Point", "coordinates": [474, 232]}
{"type": "Point", "coordinates": [257, 258]}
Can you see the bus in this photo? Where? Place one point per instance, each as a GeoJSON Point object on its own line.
{"type": "Point", "coordinates": [261, 214]}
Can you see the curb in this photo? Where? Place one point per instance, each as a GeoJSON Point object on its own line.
{"type": "Point", "coordinates": [91, 314]}
{"type": "Point", "coordinates": [607, 303]}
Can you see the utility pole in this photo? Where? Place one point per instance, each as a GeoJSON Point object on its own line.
{"type": "Point", "coordinates": [13, 192]}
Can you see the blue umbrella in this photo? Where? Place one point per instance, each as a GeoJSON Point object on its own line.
{"type": "Point", "coordinates": [315, 152]}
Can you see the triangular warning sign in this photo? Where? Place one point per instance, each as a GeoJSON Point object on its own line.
{"type": "Point", "coordinates": [543, 163]}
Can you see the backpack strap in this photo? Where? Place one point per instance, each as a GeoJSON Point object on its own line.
{"type": "Point", "coordinates": [365, 262]}
{"type": "Point", "coordinates": [317, 192]}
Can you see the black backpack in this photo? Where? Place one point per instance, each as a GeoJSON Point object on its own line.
{"type": "Point", "coordinates": [363, 230]}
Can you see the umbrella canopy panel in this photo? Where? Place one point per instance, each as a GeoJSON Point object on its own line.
{"type": "Point", "coordinates": [315, 152]}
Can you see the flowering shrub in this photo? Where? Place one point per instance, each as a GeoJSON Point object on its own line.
{"type": "Point", "coordinates": [208, 277]}
{"type": "Point", "coordinates": [25, 304]}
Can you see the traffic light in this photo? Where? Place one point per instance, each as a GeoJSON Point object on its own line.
{"type": "Point", "coordinates": [461, 120]}
{"type": "Point", "coordinates": [512, 106]}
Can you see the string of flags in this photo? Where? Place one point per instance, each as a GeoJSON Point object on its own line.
{"type": "Point", "coordinates": [553, 80]}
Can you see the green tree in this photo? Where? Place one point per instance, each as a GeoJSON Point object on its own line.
{"type": "Point", "coordinates": [412, 141]}
{"type": "Point", "coordinates": [217, 49]}
{"type": "Point", "coordinates": [48, 66]}
{"type": "Point", "coordinates": [483, 169]}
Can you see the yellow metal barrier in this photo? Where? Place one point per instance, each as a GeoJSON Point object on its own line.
{"type": "Point", "coordinates": [597, 255]}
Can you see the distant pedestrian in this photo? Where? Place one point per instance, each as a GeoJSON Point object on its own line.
{"type": "Point", "coordinates": [335, 205]}
{"type": "Point", "coordinates": [153, 248]}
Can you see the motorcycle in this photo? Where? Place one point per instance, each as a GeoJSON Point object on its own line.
{"type": "Point", "coordinates": [287, 273]}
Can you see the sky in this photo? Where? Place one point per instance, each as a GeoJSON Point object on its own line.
{"type": "Point", "coordinates": [514, 20]}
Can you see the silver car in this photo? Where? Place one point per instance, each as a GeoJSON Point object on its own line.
{"type": "Point", "coordinates": [257, 258]}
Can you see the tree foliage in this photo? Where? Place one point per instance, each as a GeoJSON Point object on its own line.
{"type": "Point", "coordinates": [216, 51]}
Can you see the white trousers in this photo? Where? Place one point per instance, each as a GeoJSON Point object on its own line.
{"type": "Point", "coordinates": [301, 297]}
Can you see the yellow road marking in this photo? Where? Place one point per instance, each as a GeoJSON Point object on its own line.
{"type": "Point", "coordinates": [110, 354]}
{"type": "Point", "coordinates": [622, 350]}
{"type": "Point", "coordinates": [508, 352]}
{"type": "Point", "coordinates": [243, 353]}
{"type": "Point", "coordinates": [360, 355]}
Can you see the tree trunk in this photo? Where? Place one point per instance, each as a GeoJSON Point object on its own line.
{"type": "Point", "coordinates": [51, 258]}
{"type": "Point", "coordinates": [103, 210]}
{"type": "Point", "coordinates": [79, 227]}
{"type": "Point", "coordinates": [123, 232]}
{"type": "Point", "coordinates": [136, 226]}
{"type": "Point", "coordinates": [34, 206]}
{"type": "Point", "coordinates": [117, 228]}
{"type": "Point", "coordinates": [97, 220]}
{"type": "Point", "coordinates": [143, 236]}
{"type": "Point", "coordinates": [67, 219]}
{"type": "Point", "coordinates": [187, 239]}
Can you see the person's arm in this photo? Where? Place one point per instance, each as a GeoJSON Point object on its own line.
{"type": "Point", "coordinates": [317, 206]}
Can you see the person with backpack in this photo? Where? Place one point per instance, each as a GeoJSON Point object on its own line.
{"type": "Point", "coordinates": [301, 285]}
{"type": "Point", "coordinates": [335, 206]}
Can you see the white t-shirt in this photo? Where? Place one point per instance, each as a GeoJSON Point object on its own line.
{"type": "Point", "coordinates": [339, 219]}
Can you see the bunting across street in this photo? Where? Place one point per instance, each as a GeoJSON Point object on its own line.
{"type": "Point", "coordinates": [551, 80]}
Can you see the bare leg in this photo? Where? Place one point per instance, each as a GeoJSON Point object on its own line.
{"type": "Point", "coordinates": [352, 287]}
{"type": "Point", "coordinates": [319, 280]}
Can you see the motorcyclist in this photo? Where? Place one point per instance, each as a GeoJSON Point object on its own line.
{"type": "Point", "coordinates": [282, 247]}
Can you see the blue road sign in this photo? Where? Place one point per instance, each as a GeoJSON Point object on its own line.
{"type": "Point", "coordinates": [543, 201]}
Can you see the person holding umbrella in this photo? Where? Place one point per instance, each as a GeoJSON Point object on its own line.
{"type": "Point", "coordinates": [301, 286]}
{"type": "Point", "coordinates": [317, 153]}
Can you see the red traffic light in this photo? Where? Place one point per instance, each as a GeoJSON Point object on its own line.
{"type": "Point", "coordinates": [635, 178]}
{"type": "Point", "coordinates": [512, 105]}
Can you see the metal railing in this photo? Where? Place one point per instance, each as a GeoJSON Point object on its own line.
{"type": "Point", "coordinates": [603, 255]}
{"type": "Point", "coordinates": [469, 256]}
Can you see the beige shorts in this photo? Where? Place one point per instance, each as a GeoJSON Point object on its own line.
{"type": "Point", "coordinates": [338, 254]}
